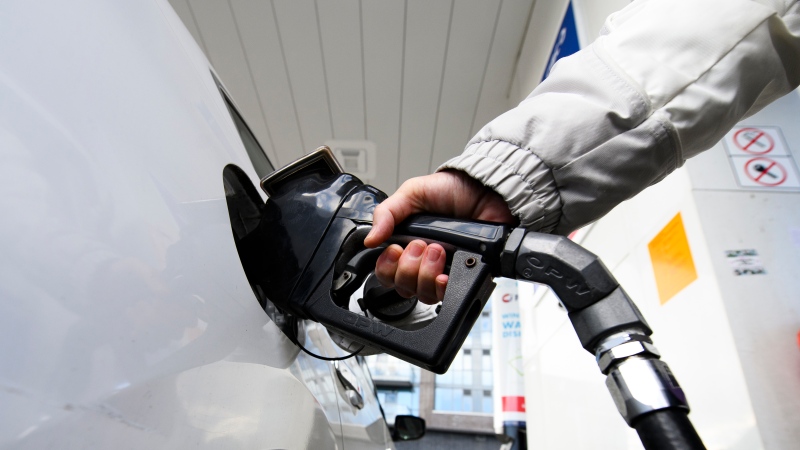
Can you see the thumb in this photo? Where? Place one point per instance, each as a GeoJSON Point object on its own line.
{"type": "Point", "coordinates": [382, 226]}
{"type": "Point", "coordinates": [392, 211]}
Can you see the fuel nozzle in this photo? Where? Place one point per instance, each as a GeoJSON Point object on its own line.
{"type": "Point", "coordinates": [317, 218]}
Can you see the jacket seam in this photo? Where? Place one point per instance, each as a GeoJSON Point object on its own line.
{"type": "Point", "coordinates": [618, 73]}
{"type": "Point", "coordinates": [672, 138]}
{"type": "Point", "coordinates": [620, 76]}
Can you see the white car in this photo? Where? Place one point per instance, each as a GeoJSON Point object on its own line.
{"type": "Point", "coordinates": [126, 319]}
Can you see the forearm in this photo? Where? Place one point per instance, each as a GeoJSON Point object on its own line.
{"type": "Point", "coordinates": [665, 81]}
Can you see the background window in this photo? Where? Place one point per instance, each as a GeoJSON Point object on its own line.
{"type": "Point", "coordinates": [467, 385]}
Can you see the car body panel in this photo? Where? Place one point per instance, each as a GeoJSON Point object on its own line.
{"type": "Point", "coordinates": [126, 317]}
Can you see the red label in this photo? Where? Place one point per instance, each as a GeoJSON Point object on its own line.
{"type": "Point", "coordinates": [513, 404]}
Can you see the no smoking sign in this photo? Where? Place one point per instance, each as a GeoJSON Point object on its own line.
{"type": "Point", "coordinates": [761, 159]}
{"type": "Point", "coordinates": [766, 172]}
{"type": "Point", "coordinates": [755, 141]}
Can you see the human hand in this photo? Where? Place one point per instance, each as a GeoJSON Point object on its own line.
{"type": "Point", "coordinates": [418, 269]}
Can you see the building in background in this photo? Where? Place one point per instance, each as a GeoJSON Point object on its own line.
{"type": "Point", "coordinates": [467, 385]}
{"type": "Point", "coordinates": [457, 406]}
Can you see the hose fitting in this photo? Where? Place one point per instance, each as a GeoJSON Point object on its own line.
{"type": "Point", "coordinates": [639, 386]}
{"type": "Point", "coordinates": [618, 347]}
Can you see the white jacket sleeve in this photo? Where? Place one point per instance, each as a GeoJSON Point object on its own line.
{"type": "Point", "coordinates": [665, 80]}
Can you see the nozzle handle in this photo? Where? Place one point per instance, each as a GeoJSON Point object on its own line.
{"type": "Point", "coordinates": [484, 238]}
{"type": "Point", "coordinates": [436, 345]}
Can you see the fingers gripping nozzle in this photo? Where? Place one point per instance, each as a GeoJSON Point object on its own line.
{"type": "Point", "coordinates": [317, 218]}
{"type": "Point", "coordinates": [432, 347]}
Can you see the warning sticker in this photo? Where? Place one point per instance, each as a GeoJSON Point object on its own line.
{"type": "Point", "coordinates": [755, 141]}
{"type": "Point", "coordinates": [745, 262]}
{"type": "Point", "coordinates": [766, 172]}
{"type": "Point", "coordinates": [673, 265]}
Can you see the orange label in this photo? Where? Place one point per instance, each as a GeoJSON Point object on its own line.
{"type": "Point", "coordinates": [672, 260]}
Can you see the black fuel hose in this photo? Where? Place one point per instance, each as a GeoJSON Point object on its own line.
{"type": "Point", "coordinates": [668, 429]}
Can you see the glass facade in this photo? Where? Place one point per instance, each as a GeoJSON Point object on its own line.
{"type": "Point", "coordinates": [467, 385]}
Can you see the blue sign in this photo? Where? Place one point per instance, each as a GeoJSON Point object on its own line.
{"type": "Point", "coordinates": [566, 41]}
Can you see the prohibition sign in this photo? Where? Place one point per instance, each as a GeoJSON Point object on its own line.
{"type": "Point", "coordinates": [754, 141]}
{"type": "Point", "coordinates": [765, 171]}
